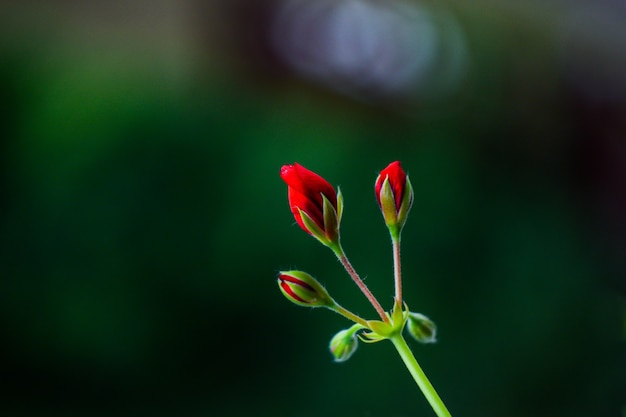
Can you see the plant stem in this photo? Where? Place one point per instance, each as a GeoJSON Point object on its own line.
{"type": "Point", "coordinates": [419, 376]}
{"type": "Point", "coordinates": [349, 315]}
{"type": "Point", "coordinates": [397, 271]}
{"type": "Point", "coordinates": [359, 282]}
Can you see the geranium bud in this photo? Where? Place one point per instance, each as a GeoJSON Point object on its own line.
{"type": "Point", "coordinates": [314, 203]}
{"type": "Point", "coordinates": [302, 289]}
{"type": "Point", "coordinates": [394, 195]}
{"type": "Point", "coordinates": [344, 344]}
{"type": "Point", "coordinates": [422, 328]}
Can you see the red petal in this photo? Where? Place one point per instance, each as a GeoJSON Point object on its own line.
{"type": "Point", "coordinates": [296, 281]}
{"type": "Point", "coordinates": [291, 293]}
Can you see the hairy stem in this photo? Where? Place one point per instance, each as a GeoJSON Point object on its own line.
{"type": "Point", "coordinates": [359, 282]}
{"type": "Point", "coordinates": [397, 269]}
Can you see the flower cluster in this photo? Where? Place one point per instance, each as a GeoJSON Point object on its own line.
{"type": "Point", "coordinates": [317, 209]}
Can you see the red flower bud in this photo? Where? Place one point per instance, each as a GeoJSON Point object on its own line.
{"type": "Point", "coordinates": [394, 195]}
{"type": "Point", "coordinates": [314, 203]}
{"type": "Point", "coordinates": [397, 180]}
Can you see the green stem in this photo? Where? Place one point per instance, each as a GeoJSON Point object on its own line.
{"type": "Point", "coordinates": [419, 376]}
{"type": "Point", "coordinates": [349, 315]}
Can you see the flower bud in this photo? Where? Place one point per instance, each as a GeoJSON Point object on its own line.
{"type": "Point", "coordinates": [394, 194]}
{"type": "Point", "coordinates": [302, 289]}
{"type": "Point", "coordinates": [314, 203]}
{"type": "Point", "coordinates": [422, 328]}
{"type": "Point", "coordinates": [344, 343]}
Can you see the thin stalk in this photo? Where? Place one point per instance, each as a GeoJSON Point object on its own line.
{"type": "Point", "coordinates": [359, 282]}
{"type": "Point", "coordinates": [349, 315]}
{"type": "Point", "coordinates": [397, 269]}
{"type": "Point", "coordinates": [419, 376]}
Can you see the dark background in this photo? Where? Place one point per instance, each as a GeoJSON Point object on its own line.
{"type": "Point", "coordinates": [143, 220]}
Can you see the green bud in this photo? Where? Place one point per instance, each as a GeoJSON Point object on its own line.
{"type": "Point", "coordinates": [421, 328]}
{"type": "Point", "coordinates": [344, 344]}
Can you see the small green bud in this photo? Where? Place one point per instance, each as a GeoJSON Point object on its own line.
{"type": "Point", "coordinates": [344, 344]}
{"type": "Point", "coordinates": [302, 289]}
{"type": "Point", "coordinates": [422, 328]}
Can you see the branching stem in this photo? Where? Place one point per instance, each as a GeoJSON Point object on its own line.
{"type": "Point", "coordinates": [359, 282]}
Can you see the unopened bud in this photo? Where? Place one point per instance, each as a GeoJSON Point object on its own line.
{"type": "Point", "coordinates": [345, 343]}
{"type": "Point", "coordinates": [422, 328]}
{"type": "Point", "coordinates": [302, 289]}
{"type": "Point", "coordinates": [315, 204]}
{"type": "Point", "coordinates": [394, 194]}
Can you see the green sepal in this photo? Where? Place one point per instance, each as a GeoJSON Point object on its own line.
{"type": "Point", "coordinates": [373, 336]}
{"type": "Point", "coordinates": [313, 228]}
{"type": "Point", "coordinates": [405, 206]}
{"type": "Point", "coordinates": [331, 220]}
{"type": "Point", "coordinates": [399, 316]}
{"type": "Point", "coordinates": [370, 337]}
{"type": "Point", "coordinates": [339, 205]}
{"type": "Point", "coordinates": [381, 328]}
{"type": "Point", "coordinates": [388, 204]}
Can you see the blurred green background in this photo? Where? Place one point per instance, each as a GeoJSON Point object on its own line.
{"type": "Point", "coordinates": [143, 220]}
